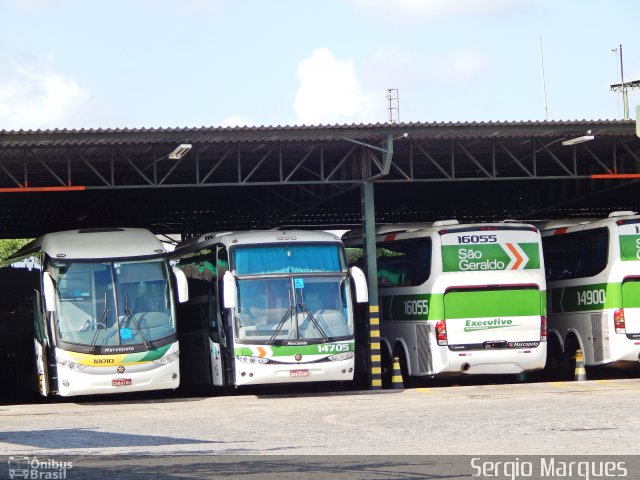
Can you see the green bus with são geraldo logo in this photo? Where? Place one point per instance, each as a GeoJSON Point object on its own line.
{"type": "Point", "coordinates": [593, 272]}
{"type": "Point", "coordinates": [460, 298]}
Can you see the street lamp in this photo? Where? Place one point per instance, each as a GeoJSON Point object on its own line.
{"type": "Point", "coordinates": [180, 151]}
{"type": "Point", "coordinates": [577, 140]}
{"type": "Point", "coordinates": [574, 141]}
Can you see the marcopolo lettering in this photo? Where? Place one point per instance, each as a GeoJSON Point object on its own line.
{"type": "Point", "coordinates": [118, 349]}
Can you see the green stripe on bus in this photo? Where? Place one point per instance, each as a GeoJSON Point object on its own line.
{"type": "Point", "coordinates": [423, 306]}
{"type": "Point", "coordinates": [630, 248]}
{"type": "Point", "coordinates": [531, 250]}
{"type": "Point", "coordinates": [290, 350]}
{"type": "Point", "coordinates": [631, 294]}
{"type": "Point", "coordinates": [148, 356]}
{"type": "Point", "coordinates": [597, 296]}
{"type": "Point", "coordinates": [492, 303]}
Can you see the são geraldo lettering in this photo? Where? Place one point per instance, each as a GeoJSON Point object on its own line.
{"type": "Point", "coordinates": [470, 259]}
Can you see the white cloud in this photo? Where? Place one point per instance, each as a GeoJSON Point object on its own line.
{"type": "Point", "coordinates": [335, 91]}
{"type": "Point", "coordinates": [235, 121]}
{"type": "Point", "coordinates": [330, 92]}
{"type": "Point", "coordinates": [33, 96]}
{"type": "Point", "coordinates": [413, 10]}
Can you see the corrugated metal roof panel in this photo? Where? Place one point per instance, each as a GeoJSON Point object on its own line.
{"type": "Point", "coordinates": [309, 133]}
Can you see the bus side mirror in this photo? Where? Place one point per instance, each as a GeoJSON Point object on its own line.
{"type": "Point", "coordinates": [182, 285]}
{"type": "Point", "coordinates": [49, 290]}
{"type": "Point", "coordinates": [360, 283]}
{"type": "Point", "coordinates": [229, 290]}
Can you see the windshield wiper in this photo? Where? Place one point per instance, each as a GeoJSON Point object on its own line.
{"type": "Point", "coordinates": [131, 319]}
{"type": "Point", "coordinates": [315, 322]}
{"type": "Point", "coordinates": [102, 324]}
{"type": "Point", "coordinates": [283, 320]}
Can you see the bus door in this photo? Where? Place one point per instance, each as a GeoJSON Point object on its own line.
{"type": "Point", "coordinates": [631, 306]}
{"type": "Point", "coordinates": [41, 341]}
{"type": "Point", "coordinates": [195, 320]}
{"type": "Point", "coordinates": [41, 333]}
{"type": "Point", "coordinates": [217, 339]}
{"type": "Point", "coordinates": [489, 318]}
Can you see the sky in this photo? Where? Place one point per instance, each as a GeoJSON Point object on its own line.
{"type": "Point", "coordinates": [215, 63]}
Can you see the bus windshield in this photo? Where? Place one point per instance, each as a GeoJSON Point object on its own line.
{"type": "Point", "coordinates": [287, 258]}
{"type": "Point", "coordinates": [276, 310]}
{"type": "Point", "coordinates": [113, 303]}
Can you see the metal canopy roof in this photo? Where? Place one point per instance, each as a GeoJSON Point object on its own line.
{"type": "Point", "coordinates": [257, 177]}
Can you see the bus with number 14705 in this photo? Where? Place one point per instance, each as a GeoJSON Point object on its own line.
{"type": "Point", "coordinates": [268, 307]}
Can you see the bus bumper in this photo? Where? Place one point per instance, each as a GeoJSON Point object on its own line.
{"type": "Point", "coordinates": [100, 381]}
{"type": "Point", "coordinates": [491, 362]}
{"type": "Point", "coordinates": [256, 374]}
{"type": "Point", "coordinates": [625, 352]}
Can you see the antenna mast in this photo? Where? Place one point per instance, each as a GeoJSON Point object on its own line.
{"type": "Point", "coordinates": [393, 102]}
{"type": "Point", "coordinates": [544, 87]}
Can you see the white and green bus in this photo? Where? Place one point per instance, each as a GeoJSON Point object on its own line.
{"type": "Point", "coordinates": [267, 307]}
{"type": "Point", "coordinates": [593, 273]}
{"type": "Point", "coordinates": [459, 298]}
{"type": "Point", "coordinates": [100, 308]}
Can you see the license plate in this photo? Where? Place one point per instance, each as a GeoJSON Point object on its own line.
{"type": "Point", "coordinates": [495, 344]}
{"type": "Point", "coordinates": [120, 382]}
{"type": "Point", "coordinates": [299, 373]}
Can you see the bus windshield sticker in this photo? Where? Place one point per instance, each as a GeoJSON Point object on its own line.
{"type": "Point", "coordinates": [125, 333]}
{"type": "Point", "coordinates": [298, 282]}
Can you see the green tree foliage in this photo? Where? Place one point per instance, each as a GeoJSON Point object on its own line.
{"type": "Point", "coordinates": [8, 247]}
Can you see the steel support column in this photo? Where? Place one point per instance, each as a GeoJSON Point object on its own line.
{"type": "Point", "coordinates": [369, 243]}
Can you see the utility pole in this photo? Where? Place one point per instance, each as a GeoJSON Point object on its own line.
{"type": "Point", "coordinates": [623, 86]}
{"type": "Point", "coordinates": [544, 87]}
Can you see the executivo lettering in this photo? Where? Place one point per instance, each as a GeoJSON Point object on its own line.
{"type": "Point", "coordinates": [474, 325]}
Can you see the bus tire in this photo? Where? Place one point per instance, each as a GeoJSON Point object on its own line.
{"type": "Point", "coordinates": [553, 365]}
{"type": "Point", "coordinates": [568, 364]}
{"type": "Point", "coordinates": [386, 366]}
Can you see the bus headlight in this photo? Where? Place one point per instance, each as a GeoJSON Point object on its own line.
{"type": "Point", "coordinates": [260, 360]}
{"type": "Point", "coordinates": [71, 365]}
{"type": "Point", "coordinates": [341, 356]}
{"type": "Point", "coordinates": [167, 359]}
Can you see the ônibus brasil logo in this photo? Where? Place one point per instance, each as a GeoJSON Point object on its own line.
{"type": "Point", "coordinates": [475, 325]}
{"type": "Point", "coordinates": [35, 468]}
